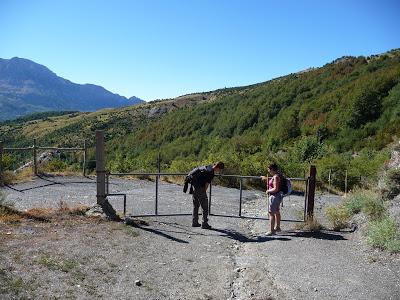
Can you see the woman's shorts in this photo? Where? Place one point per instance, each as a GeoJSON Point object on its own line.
{"type": "Point", "coordinates": [274, 202]}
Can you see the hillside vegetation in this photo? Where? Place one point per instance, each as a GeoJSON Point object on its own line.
{"type": "Point", "coordinates": [340, 117]}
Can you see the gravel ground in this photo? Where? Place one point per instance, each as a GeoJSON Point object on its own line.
{"type": "Point", "coordinates": [89, 258]}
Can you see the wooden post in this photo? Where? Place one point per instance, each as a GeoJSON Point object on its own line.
{"type": "Point", "coordinates": [35, 170]}
{"type": "Point", "coordinates": [240, 196]}
{"type": "Point", "coordinates": [84, 157]}
{"type": "Point", "coordinates": [345, 184]}
{"type": "Point", "coordinates": [157, 180]}
{"type": "Point", "coordinates": [158, 162]}
{"type": "Point", "coordinates": [209, 199]}
{"type": "Point", "coordinates": [311, 193]}
{"type": "Point", "coordinates": [100, 167]}
{"type": "Point", "coordinates": [1, 164]}
{"type": "Point", "coordinates": [101, 177]}
{"type": "Point", "coordinates": [329, 180]}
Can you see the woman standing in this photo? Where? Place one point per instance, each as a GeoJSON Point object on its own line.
{"type": "Point", "coordinates": [274, 199]}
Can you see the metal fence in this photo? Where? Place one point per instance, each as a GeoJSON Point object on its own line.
{"type": "Point", "coordinates": [34, 149]}
{"type": "Point", "coordinates": [157, 176]}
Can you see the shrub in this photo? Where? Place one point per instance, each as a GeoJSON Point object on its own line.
{"type": "Point", "coordinates": [384, 234]}
{"type": "Point", "coordinates": [366, 201]}
{"type": "Point", "coordinates": [354, 202]}
{"type": "Point", "coordinates": [338, 216]}
{"type": "Point", "coordinates": [392, 183]}
{"type": "Point", "coordinates": [393, 245]}
{"type": "Point", "coordinates": [374, 208]}
{"type": "Point", "coordinates": [56, 166]}
{"type": "Point", "coordinates": [9, 177]}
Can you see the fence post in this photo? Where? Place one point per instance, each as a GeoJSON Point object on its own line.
{"type": "Point", "coordinates": [84, 158]}
{"type": "Point", "coordinates": [101, 177]}
{"type": "Point", "coordinates": [240, 197]}
{"type": "Point", "coordinates": [209, 200]}
{"type": "Point", "coordinates": [156, 203]}
{"type": "Point", "coordinates": [1, 164]}
{"type": "Point", "coordinates": [345, 184]}
{"type": "Point", "coordinates": [329, 180]}
{"type": "Point", "coordinates": [35, 171]}
{"type": "Point", "coordinates": [158, 162]}
{"type": "Point", "coordinates": [311, 192]}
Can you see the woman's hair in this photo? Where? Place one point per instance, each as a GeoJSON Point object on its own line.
{"type": "Point", "coordinates": [219, 165]}
{"type": "Point", "coordinates": [273, 167]}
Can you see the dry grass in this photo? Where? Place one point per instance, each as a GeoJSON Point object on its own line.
{"type": "Point", "coordinates": [10, 218]}
{"type": "Point", "coordinates": [10, 215]}
{"type": "Point", "coordinates": [310, 225]}
{"type": "Point", "coordinates": [22, 176]}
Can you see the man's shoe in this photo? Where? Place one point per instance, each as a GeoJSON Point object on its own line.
{"type": "Point", "coordinates": [205, 226]}
{"type": "Point", "coordinates": [194, 224]}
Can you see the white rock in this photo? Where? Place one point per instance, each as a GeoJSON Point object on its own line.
{"type": "Point", "coordinates": [138, 283]}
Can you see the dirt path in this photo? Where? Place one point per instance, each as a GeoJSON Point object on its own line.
{"type": "Point", "coordinates": [83, 258]}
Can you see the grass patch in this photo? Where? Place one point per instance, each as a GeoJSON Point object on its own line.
{"type": "Point", "coordinates": [368, 202]}
{"type": "Point", "coordinates": [310, 225]}
{"type": "Point", "coordinates": [21, 176]}
{"type": "Point", "coordinates": [8, 214]}
{"type": "Point", "coordinates": [14, 287]}
{"type": "Point", "coordinates": [127, 229]}
{"type": "Point", "coordinates": [338, 216]}
{"type": "Point", "coordinates": [382, 231]}
{"type": "Point", "coordinates": [42, 214]}
{"type": "Point", "coordinates": [374, 208]}
{"type": "Point", "coordinates": [57, 265]}
{"type": "Point", "coordinates": [78, 210]}
{"type": "Point", "coordinates": [46, 214]}
{"type": "Point", "coordinates": [384, 234]}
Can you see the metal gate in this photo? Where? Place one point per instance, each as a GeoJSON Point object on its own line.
{"type": "Point", "coordinates": [241, 188]}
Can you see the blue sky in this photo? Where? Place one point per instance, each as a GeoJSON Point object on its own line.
{"type": "Point", "coordinates": [156, 49]}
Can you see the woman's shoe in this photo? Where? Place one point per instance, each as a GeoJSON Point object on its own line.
{"type": "Point", "coordinates": [194, 224]}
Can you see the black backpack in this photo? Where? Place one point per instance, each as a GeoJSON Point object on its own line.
{"type": "Point", "coordinates": [191, 178]}
{"type": "Point", "coordinates": [284, 186]}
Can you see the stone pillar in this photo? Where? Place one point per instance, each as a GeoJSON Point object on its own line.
{"type": "Point", "coordinates": [101, 178]}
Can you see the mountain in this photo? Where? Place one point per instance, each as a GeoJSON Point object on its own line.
{"type": "Point", "coordinates": [340, 117]}
{"type": "Point", "coordinates": [27, 87]}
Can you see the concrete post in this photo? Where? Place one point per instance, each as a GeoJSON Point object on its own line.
{"type": "Point", "coordinates": [101, 178]}
{"type": "Point", "coordinates": [311, 192]}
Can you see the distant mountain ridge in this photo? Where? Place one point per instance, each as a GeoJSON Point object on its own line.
{"type": "Point", "coordinates": [27, 87]}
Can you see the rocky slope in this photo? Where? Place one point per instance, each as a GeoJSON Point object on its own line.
{"type": "Point", "coordinates": [27, 87]}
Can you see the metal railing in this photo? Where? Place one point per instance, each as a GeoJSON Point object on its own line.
{"type": "Point", "coordinates": [34, 149]}
{"type": "Point", "coordinates": [159, 174]}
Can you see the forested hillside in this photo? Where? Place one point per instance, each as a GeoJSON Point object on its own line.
{"type": "Point", "coordinates": [340, 116]}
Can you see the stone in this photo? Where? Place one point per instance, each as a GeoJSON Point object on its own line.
{"type": "Point", "coordinates": [138, 283]}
